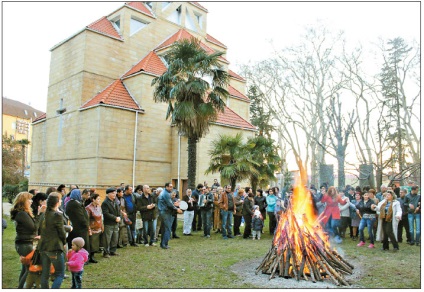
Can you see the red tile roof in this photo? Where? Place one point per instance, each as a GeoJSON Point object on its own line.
{"type": "Point", "coordinates": [140, 6]}
{"type": "Point", "coordinates": [115, 95]}
{"type": "Point", "coordinates": [150, 64]}
{"type": "Point", "coordinates": [182, 34]}
{"type": "Point", "coordinates": [234, 92]}
{"type": "Point", "coordinates": [198, 5]}
{"type": "Point", "coordinates": [230, 118]}
{"type": "Point", "coordinates": [104, 26]}
{"type": "Point", "coordinates": [215, 41]}
{"type": "Point", "coordinates": [235, 75]}
{"type": "Point", "coordinates": [42, 117]}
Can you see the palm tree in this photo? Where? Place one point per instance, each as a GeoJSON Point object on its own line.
{"type": "Point", "coordinates": [232, 159]}
{"type": "Point", "coordinates": [193, 102]}
{"type": "Point", "coordinates": [264, 152]}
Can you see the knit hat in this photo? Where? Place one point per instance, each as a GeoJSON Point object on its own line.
{"type": "Point", "coordinates": [78, 241]}
{"type": "Point", "coordinates": [110, 190]}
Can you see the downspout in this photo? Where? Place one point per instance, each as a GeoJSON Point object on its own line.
{"type": "Point", "coordinates": [135, 147]}
{"type": "Point", "coordinates": [179, 162]}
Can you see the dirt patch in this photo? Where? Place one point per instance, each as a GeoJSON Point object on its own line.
{"type": "Point", "coordinates": [246, 272]}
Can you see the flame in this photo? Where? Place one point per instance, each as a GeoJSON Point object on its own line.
{"type": "Point", "coordinates": [300, 225]}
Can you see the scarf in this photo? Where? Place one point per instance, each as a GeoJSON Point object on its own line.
{"type": "Point", "coordinates": [389, 215]}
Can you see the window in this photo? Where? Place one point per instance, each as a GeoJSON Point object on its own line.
{"type": "Point", "coordinates": [26, 112]}
{"type": "Point", "coordinates": [199, 19]}
{"type": "Point", "coordinates": [165, 5]}
{"type": "Point", "coordinates": [117, 23]}
{"type": "Point", "coordinates": [164, 60]}
{"type": "Point", "coordinates": [35, 114]}
{"type": "Point", "coordinates": [136, 25]}
{"type": "Point", "coordinates": [149, 3]}
{"type": "Point", "coordinates": [189, 22]}
{"type": "Point", "coordinates": [175, 17]}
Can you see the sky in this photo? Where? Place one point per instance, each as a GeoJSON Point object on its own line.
{"type": "Point", "coordinates": [31, 29]}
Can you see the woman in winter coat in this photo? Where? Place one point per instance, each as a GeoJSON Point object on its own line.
{"type": "Point", "coordinates": [52, 243]}
{"type": "Point", "coordinates": [388, 220]}
{"type": "Point", "coordinates": [79, 218]}
{"type": "Point", "coordinates": [26, 229]}
{"type": "Point", "coordinates": [271, 201]}
{"type": "Point", "coordinates": [96, 228]}
{"type": "Point", "coordinates": [331, 216]}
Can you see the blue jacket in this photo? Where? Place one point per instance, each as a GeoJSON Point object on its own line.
{"type": "Point", "coordinates": [271, 201]}
{"type": "Point", "coordinates": [165, 203]}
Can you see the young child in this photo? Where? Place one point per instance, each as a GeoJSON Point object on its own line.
{"type": "Point", "coordinates": [76, 260]}
{"type": "Point", "coordinates": [257, 223]}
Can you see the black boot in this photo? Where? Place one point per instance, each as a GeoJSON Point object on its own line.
{"type": "Point", "coordinates": [91, 259]}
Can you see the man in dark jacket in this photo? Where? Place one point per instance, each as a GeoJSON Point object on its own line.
{"type": "Point", "coordinates": [403, 223]}
{"type": "Point", "coordinates": [131, 210]}
{"type": "Point", "coordinates": [111, 219]}
{"type": "Point", "coordinates": [197, 219]}
{"type": "Point", "coordinates": [206, 211]}
{"type": "Point", "coordinates": [147, 207]}
{"type": "Point", "coordinates": [166, 210]}
{"type": "Point", "coordinates": [413, 202]}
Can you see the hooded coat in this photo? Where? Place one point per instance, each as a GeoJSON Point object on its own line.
{"type": "Point", "coordinates": [76, 259]}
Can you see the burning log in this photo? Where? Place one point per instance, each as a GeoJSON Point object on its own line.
{"type": "Point", "coordinates": [301, 249]}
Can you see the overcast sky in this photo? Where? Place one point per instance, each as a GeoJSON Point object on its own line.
{"type": "Point", "coordinates": [30, 29]}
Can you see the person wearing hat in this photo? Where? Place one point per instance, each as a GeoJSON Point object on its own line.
{"type": "Point", "coordinates": [111, 219]}
{"type": "Point", "coordinates": [77, 257]}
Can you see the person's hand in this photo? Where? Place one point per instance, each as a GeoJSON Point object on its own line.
{"type": "Point", "coordinates": [398, 217]}
{"type": "Point", "coordinates": [42, 209]}
{"type": "Point", "coordinates": [179, 211]}
{"type": "Point", "coordinates": [411, 206]}
{"type": "Point", "coordinates": [72, 228]}
{"type": "Point", "coordinates": [103, 228]}
{"type": "Point", "coordinates": [37, 237]}
{"type": "Point", "coordinates": [90, 232]}
{"type": "Point", "coordinates": [357, 211]}
{"type": "Point", "coordinates": [118, 219]}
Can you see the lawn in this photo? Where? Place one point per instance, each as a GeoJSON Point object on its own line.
{"type": "Point", "coordinates": [197, 262]}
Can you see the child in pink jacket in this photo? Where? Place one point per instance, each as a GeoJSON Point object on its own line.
{"type": "Point", "coordinates": [77, 257]}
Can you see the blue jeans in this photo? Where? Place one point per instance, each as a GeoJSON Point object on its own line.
{"type": "Point", "coordinates": [417, 219]}
{"type": "Point", "coordinates": [332, 226]}
{"type": "Point", "coordinates": [167, 224]}
{"type": "Point", "coordinates": [56, 258]}
{"type": "Point", "coordinates": [365, 222]}
{"type": "Point", "coordinates": [148, 231]}
{"type": "Point", "coordinates": [206, 220]}
{"type": "Point", "coordinates": [227, 222]}
{"type": "Point", "coordinates": [77, 280]}
{"type": "Point", "coordinates": [23, 249]}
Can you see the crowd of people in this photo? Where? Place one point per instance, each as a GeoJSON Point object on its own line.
{"type": "Point", "coordinates": [68, 229]}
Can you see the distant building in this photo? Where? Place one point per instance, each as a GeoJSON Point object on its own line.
{"type": "Point", "coordinates": [17, 119]}
{"type": "Point", "coordinates": [102, 126]}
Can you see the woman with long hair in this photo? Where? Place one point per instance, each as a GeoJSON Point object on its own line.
{"type": "Point", "coordinates": [26, 229]}
{"type": "Point", "coordinates": [38, 200]}
{"type": "Point", "coordinates": [217, 221]}
{"type": "Point", "coordinates": [52, 243]}
{"type": "Point", "coordinates": [331, 215]}
{"type": "Point", "coordinates": [95, 216]}
{"type": "Point", "coordinates": [366, 210]}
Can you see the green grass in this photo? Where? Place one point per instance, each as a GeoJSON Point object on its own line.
{"type": "Point", "coordinates": [196, 262]}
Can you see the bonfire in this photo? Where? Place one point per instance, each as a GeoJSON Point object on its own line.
{"type": "Point", "coordinates": [301, 248]}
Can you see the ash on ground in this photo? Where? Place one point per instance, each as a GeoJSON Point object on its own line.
{"type": "Point", "coordinates": [246, 272]}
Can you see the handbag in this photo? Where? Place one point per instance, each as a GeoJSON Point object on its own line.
{"type": "Point", "coordinates": [36, 258]}
{"type": "Point", "coordinates": [26, 260]}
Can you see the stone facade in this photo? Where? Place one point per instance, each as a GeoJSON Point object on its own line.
{"type": "Point", "coordinates": [100, 145]}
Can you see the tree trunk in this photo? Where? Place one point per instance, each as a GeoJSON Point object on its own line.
{"type": "Point", "coordinates": [233, 182]}
{"type": "Point", "coordinates": [192, 162]}
{"type": "Point", "coordinates": [23, 160]}
{"type": "Point", "coordinates": [341, 156]}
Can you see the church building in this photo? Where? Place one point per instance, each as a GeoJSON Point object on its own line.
{"type": "Point", "coordinates": [102, 126]}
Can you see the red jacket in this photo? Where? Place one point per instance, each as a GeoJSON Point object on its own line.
{"type": "Point", "coordinates": [332, 209]}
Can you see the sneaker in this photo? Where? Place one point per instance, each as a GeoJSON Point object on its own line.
{"type": "Point", "coordinates": [106, 255]}
{"type": "Point", "coordinates": [253, 238]}
{"type": "Point", "coordinates": [146, 244]}
{"type": "Point", "coordinates": [259, 238]}
{"type": "Point", "coordinates": [153, 244]}
{"type": "Point", "coordinates": [208, 236]}
{"type": "Point", "coordinates": [114, 254]}
{"type": "Point", "coordinates": [371, 245]}
{"type": "Point", "coordinates": [361, 243]}
{"type": "Point", "coordinates": [337, 239]}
